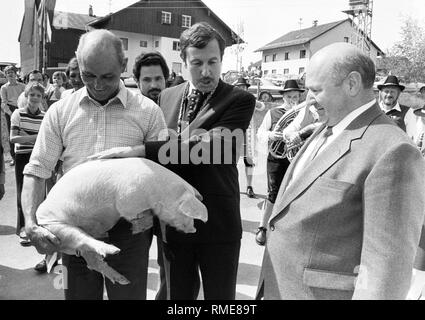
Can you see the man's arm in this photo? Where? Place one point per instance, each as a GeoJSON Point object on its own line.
{"type": "Point", "coordinates": [219, 145]}
{"type": "Point", "coordinates": [33, 193]}
{"type": "Point", "coordinates": [393, 209]}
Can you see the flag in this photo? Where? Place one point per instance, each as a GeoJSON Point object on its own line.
{"type": "Point", "coordinates": [35, 32]}
{"type": "Point", "coordinates": [44, 20]}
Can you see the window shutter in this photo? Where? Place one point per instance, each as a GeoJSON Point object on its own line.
{"type": "Point", "coordinates": [193, 21]}
{"type": "Point", "coordinates": [158, 16]}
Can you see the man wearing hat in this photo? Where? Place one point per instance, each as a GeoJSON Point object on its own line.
{"type": "Point", "coordinates": [389, 93]}
{"type": "Point", "coordinates": [276, 168]}
{"type": "Point", "coordinates": [250, 139]}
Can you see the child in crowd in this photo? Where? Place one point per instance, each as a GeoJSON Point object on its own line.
{"type": "Point", "coordinates": [55, 91]}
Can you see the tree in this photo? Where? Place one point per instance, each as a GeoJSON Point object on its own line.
{"type": "Point", "coordinates": [407, 57]}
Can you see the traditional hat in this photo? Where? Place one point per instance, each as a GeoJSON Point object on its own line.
{"type": "Point", "coordinates": [291, 85]}
{"type": "Point", "coordinates": [391, 81]}
{"type": "Point", "coordinates": [242, 82]}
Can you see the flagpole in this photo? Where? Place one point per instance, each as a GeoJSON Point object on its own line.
{"type": "Point", "coordinates": [44, 27]}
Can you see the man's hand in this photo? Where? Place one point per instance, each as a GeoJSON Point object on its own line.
{"type": "Point", "coordinates": [293, 138]}
{"type": "Point", "coordinates": [120, 152]}
{"type": "Point", "coordinates": [43, 240]}
{"type": "Point", "coordinates": [2, 191]}
{"type": "Point", "coordinates": [274, 136]}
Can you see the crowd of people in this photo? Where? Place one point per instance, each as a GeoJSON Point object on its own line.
{"type": "Point", "coordinates": [345, 207]}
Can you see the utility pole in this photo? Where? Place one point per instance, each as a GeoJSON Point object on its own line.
{"type": "Point", "coordinates": [239, 45]}
{"type": "Point", "coordinates": [361, 14]}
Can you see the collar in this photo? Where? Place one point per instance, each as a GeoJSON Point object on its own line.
{"type": "Point", "coordinates": [192, 87]}
{"type": "Point", "coordinates": [396, 107]}
{"type": "Point", "coordinates": [121, 97]}
{"type": "Point", "coordinates": [27, 110]}
{"type": "Point", "coordinates": [340, 126]}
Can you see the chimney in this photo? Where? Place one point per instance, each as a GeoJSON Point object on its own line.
{"type": "Point", "coordinates": [315, 22]}
{"type": "Point", "coordinates": [91, 11]}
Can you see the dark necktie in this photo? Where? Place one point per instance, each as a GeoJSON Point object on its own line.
{"type": "Point", "coordinates": [194, 103]}
{"type": "Point", "coordinates": [327, 132]}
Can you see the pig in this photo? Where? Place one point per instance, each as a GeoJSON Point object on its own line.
{"type": "Point", "coordinates": [90, 199]}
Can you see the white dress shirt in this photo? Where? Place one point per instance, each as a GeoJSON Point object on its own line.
{"type": "Point", "coordinates": [396, 107]}
{"type": "Point", "coordinates": [336, 131]}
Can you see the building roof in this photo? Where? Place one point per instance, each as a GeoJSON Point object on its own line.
{"type": "Point", "coordinates": [303, 36]}
{"type": "Point", "coordinates": [193, 4]}
{"type": "Point", "coordinates": [69, 20]}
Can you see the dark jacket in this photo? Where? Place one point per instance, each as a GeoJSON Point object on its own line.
{"type": "Point", "coordinates": [229, 108]}
{"type": "Point", "coordinates": [398, 117]}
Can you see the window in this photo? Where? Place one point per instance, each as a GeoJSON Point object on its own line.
{"type": "Point", "coordinates": [156, 44]}
{"type": "Point", "coordinates": [166, 17]}
{"type": "Point", "coordinates": [176, 45]}
{"type": "Point", "coordinates": [302, 54]}
{"type": "Point", "coordinates": [274, 58]}
{"type": "Point", "coordinates": [274, 71]}
{"type": "Point", "coordinates": [143, 43]}
{"type": "Point", "coordinates": [286, 55]}
{"type": "Point", "coordinates": [266, 58]}
{"type": "Point", "coordinates": [301, 70]}
{"type": "Point", "coordinates": [345, 39]}
{"type": "Point", "coordinates": [124, 43]}
{"type": "Point", "coordinates": [186, 21]}
{"type": "Point", "coordinates": [266, 72]}
{"type": "Point", "coordinates": [285, 71]}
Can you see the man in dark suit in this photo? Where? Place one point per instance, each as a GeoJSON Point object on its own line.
{"type": "Point", "coordinates": [210, 118]}
{"type": "Point", "coordinates": [389, 92]}
{"type": "Point", "coordinates": [348, 215]}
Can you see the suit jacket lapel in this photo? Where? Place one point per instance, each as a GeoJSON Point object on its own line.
{"type": "Point", "coordinates": [324, 160]}
{"type": "Point", "coordinates": [170, 104]}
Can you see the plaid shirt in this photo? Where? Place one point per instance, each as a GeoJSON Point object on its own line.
{"type": "Point", "coordinates": [77, 127]}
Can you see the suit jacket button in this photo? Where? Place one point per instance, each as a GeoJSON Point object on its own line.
{"type": "Point", "coordinates": [272, 227]}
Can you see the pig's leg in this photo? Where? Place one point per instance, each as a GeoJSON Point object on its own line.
{"type": "Point", "coordinates": [96, 262]}
{"type": "Point", "coordinates": [75, 241]}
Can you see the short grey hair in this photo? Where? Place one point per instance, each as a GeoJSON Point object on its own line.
{"type": "Point", "coordinates": [358, 62]}
{"type": "Point", "coordinates": [103, 39]}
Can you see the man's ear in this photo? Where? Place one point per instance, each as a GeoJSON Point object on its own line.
{"type": "Point", "coordinates": [353, 83]}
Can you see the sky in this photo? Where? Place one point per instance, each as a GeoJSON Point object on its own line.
{"type": "Point", "coordinates": [263, 20]}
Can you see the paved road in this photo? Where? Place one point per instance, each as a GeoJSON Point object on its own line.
{"type": "Point", "coordinates": [18, 280]}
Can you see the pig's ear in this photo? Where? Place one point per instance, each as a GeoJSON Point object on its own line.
{"type": "Point", "coordinates": [190, 206]}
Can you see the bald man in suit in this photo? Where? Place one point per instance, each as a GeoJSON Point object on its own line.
{"type": "Point", "coordinates": [348, 216]}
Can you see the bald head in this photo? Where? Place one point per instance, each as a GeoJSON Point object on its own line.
{"type": "Point", "coordinates": [340, 79]}
{"type": "Point", "coordinates": [340, 59]}
{"type": "Point", "coordinates": [100, 41]}
{"type": "Point", "coordinates": [101, 60]}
